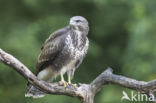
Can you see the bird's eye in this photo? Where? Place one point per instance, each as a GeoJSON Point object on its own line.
{"type": "Point", "coordinates": [77, 21]}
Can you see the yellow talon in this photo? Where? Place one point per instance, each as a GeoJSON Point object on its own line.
{"type": "Point", "coordinates": [74, 85]}
{"type": "Point", "coordinates": [63, 83]}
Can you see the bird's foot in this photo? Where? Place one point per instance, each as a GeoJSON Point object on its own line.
{"type": "Point", "coordinates": [63, 83]}
{"type": "Point", "coordinates": [74, 85]}
{"type": "Point", "coordinates": [70, 84]}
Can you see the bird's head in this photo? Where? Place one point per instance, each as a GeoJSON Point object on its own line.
{"type": "Point", "coordinates": [79, 23]}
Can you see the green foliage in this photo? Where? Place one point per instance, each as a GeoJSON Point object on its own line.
{"type": "Point", "coordinates": [122, 36]}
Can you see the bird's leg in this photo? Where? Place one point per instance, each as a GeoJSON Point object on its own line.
{"type": "Point", "coordinates": [62, 82]}
{"type": "Point", "coordinates": [69, 82]}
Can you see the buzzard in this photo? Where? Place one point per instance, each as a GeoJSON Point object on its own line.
{"type": "Point", "coordinates": [62, 52]}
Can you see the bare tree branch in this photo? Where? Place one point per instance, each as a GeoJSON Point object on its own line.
{"type": "Point", "coordinates": [84, 92]}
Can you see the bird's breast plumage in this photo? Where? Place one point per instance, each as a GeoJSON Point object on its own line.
{"type": "Point", "coordinates": [76, 44]}
{"type": "Point", "coordinates": [75, 48]}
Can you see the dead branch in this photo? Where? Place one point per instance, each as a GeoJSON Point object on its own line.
{"type": "Point", "coordinates": [84, 92]}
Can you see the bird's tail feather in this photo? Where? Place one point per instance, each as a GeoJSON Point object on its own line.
{"type": "Point", "coordinates": [47, 75]}
{"type": "Point", "coordinates": [34, 92]}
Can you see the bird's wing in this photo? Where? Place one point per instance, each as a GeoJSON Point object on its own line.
{"type": "Point", "coordinates": [50, 49]}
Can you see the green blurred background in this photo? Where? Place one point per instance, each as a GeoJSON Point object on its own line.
{"type": "Point", "coordinates": [122, 35]}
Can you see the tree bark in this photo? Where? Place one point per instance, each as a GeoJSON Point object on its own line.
{"type": "Point", "coordinates": [84, 92]}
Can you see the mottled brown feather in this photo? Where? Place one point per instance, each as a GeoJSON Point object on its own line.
{"type": "Point", "coordinates": [50, 49]}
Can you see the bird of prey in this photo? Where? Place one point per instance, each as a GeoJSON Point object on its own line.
{"type": "Point", "coordinates": [62, 52]}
